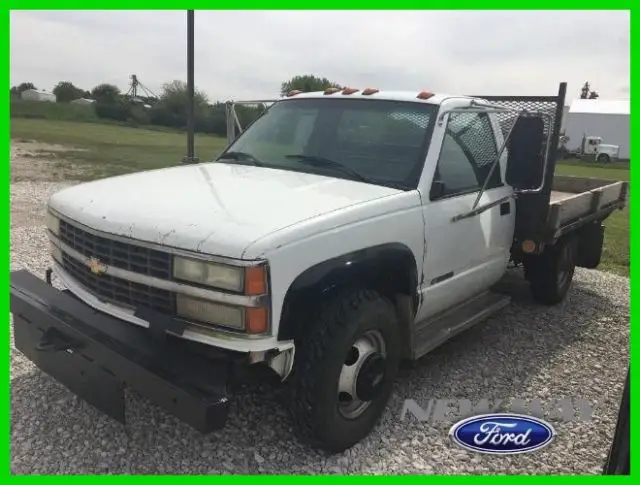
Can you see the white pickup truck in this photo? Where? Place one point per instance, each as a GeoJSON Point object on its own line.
{"type": "Point", "coordinates": [340, 233]}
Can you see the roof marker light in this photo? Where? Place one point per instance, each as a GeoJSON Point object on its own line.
{"type": "Point", "coordinates": [293, 93]}
{"type": "Point", "coordinates": [370, 91]}
{"type": "Point", "coordinates": [349, 90]}
{"type": "Point", "coordinates": [425, 95]}
{"type": "Point", "coordinates": [331, 90]}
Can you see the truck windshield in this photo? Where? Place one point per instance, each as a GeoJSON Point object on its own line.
{"type": "Point", "coordinates": [372, 141]}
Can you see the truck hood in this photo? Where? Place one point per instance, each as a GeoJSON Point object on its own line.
{"type": "Point", "coordinates": [602, 148]}
{"type": "Point", "coordinates": [213, 208]}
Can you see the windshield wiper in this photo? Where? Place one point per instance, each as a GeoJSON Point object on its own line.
{"type": "Point", "coordinates": [326, 162]}
{"type": "Point", "coordinates": [241, 157]}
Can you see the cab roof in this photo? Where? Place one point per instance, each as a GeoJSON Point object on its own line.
{"type": "Point", "coordinates": [412, 96]}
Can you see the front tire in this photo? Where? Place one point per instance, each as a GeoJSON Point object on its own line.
{"type": "Point", "coordinates": [344, 371]}
{"type": "Point", "coordinates": [550, 274]}
{"type": "Point", "coordinates": [603, 158]}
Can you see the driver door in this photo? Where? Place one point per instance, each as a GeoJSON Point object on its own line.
{"type": "Point", "coordinates": [466, 253]}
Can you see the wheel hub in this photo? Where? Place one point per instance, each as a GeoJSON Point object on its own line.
{"type": "Point", "coordinates": [371, 377]}
{"type": "Point", "coordinates": [363, 374]}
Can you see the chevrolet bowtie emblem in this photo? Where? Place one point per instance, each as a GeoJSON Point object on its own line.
{"type": "Point", "coordinates": [96, 266]}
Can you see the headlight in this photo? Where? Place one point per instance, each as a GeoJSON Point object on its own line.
{"type": "Point", "coordinates": [208, 274]}
{"type": "Point", "coordinates": [209, 312]}
{"type": "Point", "coordinates": [53, 223]}
{"type": "Point", "coordinates": [250, 281]}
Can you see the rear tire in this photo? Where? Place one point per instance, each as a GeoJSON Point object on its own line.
{"type": "Point", "coordinates": [335, 354]}
{"type": "Point", "coordinates": [550, 274]}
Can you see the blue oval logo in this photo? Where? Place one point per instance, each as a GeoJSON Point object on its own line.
{"type": "Point", "coordinates": [503, 434]}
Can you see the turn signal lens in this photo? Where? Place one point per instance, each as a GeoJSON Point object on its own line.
{"type": "Point", "coordinates": [255, 281]}
{"type": "Point", "coordinates": [257, 320]}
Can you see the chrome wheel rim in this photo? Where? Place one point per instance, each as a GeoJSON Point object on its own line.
{"type": "Point", "coordinates": [363, 374]}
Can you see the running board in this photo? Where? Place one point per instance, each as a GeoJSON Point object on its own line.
{"type": "Point", "coordinates": [436, 330]}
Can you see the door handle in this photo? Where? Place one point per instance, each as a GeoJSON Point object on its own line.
{"type": "Point", "coordinates": [505, 208]}
{"type": "Point", "coordinates": [504, 201]}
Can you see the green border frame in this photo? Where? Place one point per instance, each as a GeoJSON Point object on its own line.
{"type": "Point", "coordinates": [285, 5]}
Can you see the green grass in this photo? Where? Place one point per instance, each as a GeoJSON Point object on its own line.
{"type": "Point", "coordinates": [612, 171]}
{"type": "Point", "coordinates": [112, 150]}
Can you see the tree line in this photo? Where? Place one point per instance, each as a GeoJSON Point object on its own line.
{"type": "Point", "coordinates": [169, 109]}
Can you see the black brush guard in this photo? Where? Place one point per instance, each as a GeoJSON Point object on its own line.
{"type": "Point", "coordinates": [95, 356]}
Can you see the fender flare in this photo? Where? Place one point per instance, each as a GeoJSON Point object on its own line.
{"type": "Point", "coordinates": [344, 269]}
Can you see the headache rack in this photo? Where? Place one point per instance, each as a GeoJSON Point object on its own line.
{"type": "Point", "coordinates": [532, 209]}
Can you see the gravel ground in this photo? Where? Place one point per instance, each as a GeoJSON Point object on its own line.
{"type": "Point", "coordinates": [577, 349]}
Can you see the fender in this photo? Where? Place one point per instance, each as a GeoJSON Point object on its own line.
{"type": "Point", "coordinates": [390, 268]}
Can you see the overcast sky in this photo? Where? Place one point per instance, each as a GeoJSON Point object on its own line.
{"type": "Point", "coordinates": [249, 54]}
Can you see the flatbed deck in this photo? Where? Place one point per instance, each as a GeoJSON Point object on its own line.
{"type": "Point", "coordinates": [557, 196]}
{"type": "Point", "coordinates": [577, 200]}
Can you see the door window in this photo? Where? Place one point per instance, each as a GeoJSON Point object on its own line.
{"type": "Point", "coordinates": [468, 151]}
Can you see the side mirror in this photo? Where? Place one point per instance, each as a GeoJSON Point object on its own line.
{"type": "Point", "coordinates": [438, 190]}
{"type": "Point", "coordinates": [526, 145]}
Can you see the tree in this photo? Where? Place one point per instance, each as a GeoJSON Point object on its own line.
{"type": "Point", "coordinates": [584, 91]}
{"type": "Point", "coordinates": [118, 110]}
{"type": "Point", "coordinates": [307, 83]}
{"type": "Point", "coordinates": [587, 93]}
{"type": "Point", "coordinates": [171, 108]}
{"type": "Point", "coordinates": [105, 93]}
{"type": "Point", "coordinates": [16, 91]}
{"type": "Point", "coordinates": [65, 92]}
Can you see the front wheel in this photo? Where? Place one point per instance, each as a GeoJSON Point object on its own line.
{"type": "Point", "coordinates": [603, 158]}
{"type": "Point", "coordinates": [344, 371]}
{"type": "Point", "coordinates": [550, 274]}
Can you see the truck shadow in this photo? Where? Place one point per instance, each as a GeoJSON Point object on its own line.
{"type": "Point", "coordinates": [507, 356]}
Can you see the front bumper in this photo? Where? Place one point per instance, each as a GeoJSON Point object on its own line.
{"type": "Point", "coordinates": [96, 355]}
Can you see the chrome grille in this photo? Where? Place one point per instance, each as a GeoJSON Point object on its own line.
{"type": "Point", "coordinates": [133, 258]}
{"type": "Point", "coordinates": [121, 255]}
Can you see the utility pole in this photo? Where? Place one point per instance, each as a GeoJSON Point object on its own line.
{"type": "Point", "coordinates": [190, 158]}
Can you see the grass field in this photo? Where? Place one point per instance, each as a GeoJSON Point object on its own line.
{"type": "Point", "coordinates": [110, 150]}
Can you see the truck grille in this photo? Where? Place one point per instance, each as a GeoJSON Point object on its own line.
{"type": "Point", "coordinates": [133, 258]}
{"type": "Point", "coordinates": [126, 256]}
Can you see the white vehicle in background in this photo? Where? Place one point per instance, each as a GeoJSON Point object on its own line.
{"type": "Point", "coordinates": [340, 233]}
{"type": "Point", "coordinates": [591, 148]}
